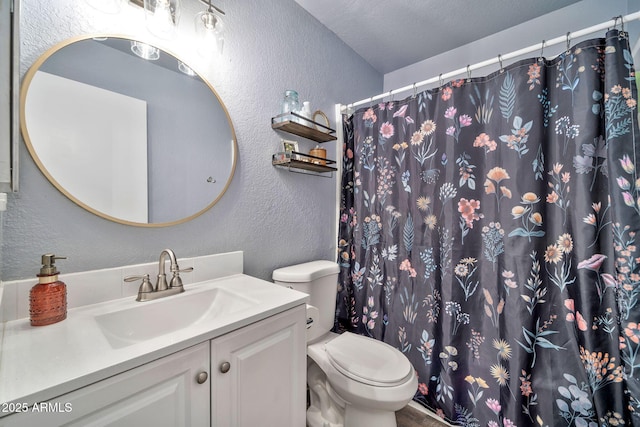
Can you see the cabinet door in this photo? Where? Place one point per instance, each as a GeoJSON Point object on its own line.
{"type": "Point", "coordinates": [265, 379]}
{"type": "Point", "coordinates": [160, 393]}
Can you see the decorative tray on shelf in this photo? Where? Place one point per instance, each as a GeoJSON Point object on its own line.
{"type": "Point", "coordinates": [296, 160]}
{"type": "Point", "coordinates": [299, 125]}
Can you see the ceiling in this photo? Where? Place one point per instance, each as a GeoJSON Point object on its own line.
{"type": "Point", "coordinates": [393, 34]}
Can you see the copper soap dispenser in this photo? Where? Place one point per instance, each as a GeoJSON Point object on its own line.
{"type": "Point", "coordinates": [48, 298]}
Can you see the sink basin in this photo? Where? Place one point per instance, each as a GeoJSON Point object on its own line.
{"type": "Point", "coordinates": [148, 320]}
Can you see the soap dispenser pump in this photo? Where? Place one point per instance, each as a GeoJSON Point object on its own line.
{"type": "Point", "coordinates": [48, 298]}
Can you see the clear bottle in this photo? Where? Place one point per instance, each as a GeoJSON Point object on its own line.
{"type": "Point", "coordinates": [48, 298]}
{"type": "Point", "coordinates": [305, 112]}
{"type": "Point", "coordinates": [290, 103]}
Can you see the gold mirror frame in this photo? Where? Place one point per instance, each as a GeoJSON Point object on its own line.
{"type": "Point", "coordinates": [28, 77]}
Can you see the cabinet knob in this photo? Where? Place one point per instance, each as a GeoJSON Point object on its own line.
{"type": "Point", "coordinates": [224, 367]}
{"type": "Point", "coordinates": [202, 377]}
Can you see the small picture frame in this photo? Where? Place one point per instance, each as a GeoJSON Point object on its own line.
{"type": "Point", "coordinates": [289, 146]}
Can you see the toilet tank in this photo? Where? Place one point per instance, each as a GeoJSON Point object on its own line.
{"type": "Point", "coordinates": [318, 279]}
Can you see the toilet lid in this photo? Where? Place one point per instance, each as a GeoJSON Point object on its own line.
{"type": "Point", "coordinates": [367, 360]}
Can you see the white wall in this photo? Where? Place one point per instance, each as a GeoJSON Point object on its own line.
{"type": "Point", "coordinates": [274, 216]}
{"type": "Point", "coordinates": [575, 17]}
{"type": "Point", "coordinates": [102, 165]}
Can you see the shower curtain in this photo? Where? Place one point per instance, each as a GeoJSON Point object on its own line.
{"type": "Point", "coordinates": [489, 231]}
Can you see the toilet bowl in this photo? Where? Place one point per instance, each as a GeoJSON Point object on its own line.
{"type": "Point", "coordinates": [370, 379]}
{"type": "Point", "coordinates": [353, 380]}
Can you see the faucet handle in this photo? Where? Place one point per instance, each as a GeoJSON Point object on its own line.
{"type": "Point", "coordinates": [145, 287]}
{"type": "Point", "coordinates": [176, 281]}
{"type": "Point", "coordinates": [144, 278]}
{"type": "Point", "coordinates": [175, 268]}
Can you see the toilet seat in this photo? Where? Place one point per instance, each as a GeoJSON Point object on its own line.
{"type": "Point", "coordinates": [368, 361]}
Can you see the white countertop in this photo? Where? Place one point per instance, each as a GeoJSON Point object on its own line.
{"type": "Point", "coordinates": [40, 363]}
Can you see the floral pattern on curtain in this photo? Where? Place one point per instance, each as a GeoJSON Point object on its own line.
{"type": "Point", "coordinates": [489, 231]}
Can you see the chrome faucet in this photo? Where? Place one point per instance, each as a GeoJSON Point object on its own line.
{"type": "Point", "coordinates": [148, 292]}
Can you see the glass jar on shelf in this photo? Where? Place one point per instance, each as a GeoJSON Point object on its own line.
{"type": "Point", "coordinates": [290, 103]}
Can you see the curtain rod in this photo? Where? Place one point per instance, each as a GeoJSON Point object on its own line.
{"type": "Point", "coordinates": [566, 38]}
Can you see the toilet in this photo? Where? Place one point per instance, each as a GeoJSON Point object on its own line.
{"type": "Point", "coordinates": [353, 381]}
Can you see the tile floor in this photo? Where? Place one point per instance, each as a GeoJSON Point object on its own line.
{"type": "Point", "coordinates": [411, 417]}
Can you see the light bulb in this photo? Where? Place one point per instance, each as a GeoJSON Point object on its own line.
{"type": "Point", "coordinates": [210, 32]}
{"type": "Point", "coordinates": [186, 69]}
{"type": "Point", "coordinates": [162, 16]}
{"type": "Point", "coordinates": [145, 51]}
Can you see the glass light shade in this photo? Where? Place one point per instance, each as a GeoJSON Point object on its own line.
{"type": "Point", "coordinates": [145, 51]}
{"type": "Point", "coordinates": [210, 33]}
{"type": "Point", "coordinates": [184, 68]}
{"type": "Point", "coordinates": [107, 6]}
{"type": "Point", "coordinates": [162, 17]}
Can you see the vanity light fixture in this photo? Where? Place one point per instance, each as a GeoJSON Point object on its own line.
{"type": "Point", "coordinates": [162, 17]}
{"type": "Point", "coordinates": [210, 30]}
{"type": "Point", "coordinates": [145, 51]}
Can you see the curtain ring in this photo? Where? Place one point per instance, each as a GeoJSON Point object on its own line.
{"type": "Point", "coordinates": [391, 95]}
{"type": "Point", "coordinates": [500, 61]}
{"type": "Point", "coordinates": [440, 80]}
{"type": "Point", "coordinates": [568, 41]}
{"type": "Point", "coordinates": [615, 20]}
{"type": "Point", "coordinates": [414, 90]}
{"type": "Point", "coordinates": [541, 58]}
{"type": "Point", "coordinates": [468, 73]}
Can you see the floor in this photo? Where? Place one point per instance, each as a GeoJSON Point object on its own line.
{"type": "Point", "coordinates": [411, 417]}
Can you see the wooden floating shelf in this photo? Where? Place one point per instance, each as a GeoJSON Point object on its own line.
{"type": "Point", "coordinates": [290, 122]}
{"type": "Point", "coordinates": [295, 160]}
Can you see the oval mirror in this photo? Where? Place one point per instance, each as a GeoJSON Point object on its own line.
{"type": "Point", "coordinates": [127, 131]}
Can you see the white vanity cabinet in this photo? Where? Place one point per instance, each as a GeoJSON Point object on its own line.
{"type": "Point", "coordinates": [262, 385]}
{"type": "Point", "coordinates": [258, 373]}
{"type": "Point", "coordinates": [161, 393]}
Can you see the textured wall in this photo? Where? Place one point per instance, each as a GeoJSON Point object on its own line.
{"type": "Point", "coordinates": [274, 216]}
{"type": "Point", "coordinates": [574, 17]}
